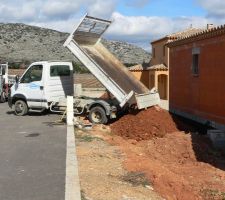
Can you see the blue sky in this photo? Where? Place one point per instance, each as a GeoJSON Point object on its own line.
{"type": "Point", "coordinates": [169, 8]}
{"type": "Point", "coordinates": [135, 21]}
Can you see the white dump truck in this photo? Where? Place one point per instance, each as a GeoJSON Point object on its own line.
{"type": "Point", "coordinates": [41, 84]}
{"type": "Point", "coordinates": [45, 85]}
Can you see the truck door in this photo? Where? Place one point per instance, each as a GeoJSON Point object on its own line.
{"type": "Point", "coordinates": [31, 85]}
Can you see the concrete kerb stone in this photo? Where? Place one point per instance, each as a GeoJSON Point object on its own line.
{"type": "Point", "coordinates": [72, 186]}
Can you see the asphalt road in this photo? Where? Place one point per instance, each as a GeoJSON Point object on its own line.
{"type": "Point", "coordinates": [32, 157]}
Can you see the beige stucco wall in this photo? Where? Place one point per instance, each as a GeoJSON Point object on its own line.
{"type": "Point", "coordinates": [163, 89]}
{"type": "Point", "coordinates": [142, 76]}
{"type": "Point", "coordinates": [159, 57]}
{"type": "Point", "coordinates": [150, 78]}
{"type": "Point", "coordinates": [137, 74]}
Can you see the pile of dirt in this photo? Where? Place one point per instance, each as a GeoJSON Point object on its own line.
{"type": "Point", "coordinates": [145, 124]}
{"type": "Point", "coordinates": [180, 166]}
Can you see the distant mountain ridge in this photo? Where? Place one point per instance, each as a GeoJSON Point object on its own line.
{"type": "Point", "coordinates": [25, 43]}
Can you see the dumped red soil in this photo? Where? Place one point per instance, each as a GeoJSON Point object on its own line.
{"type": "Point", "coordinates": [145, 124]}
{"type": "Point", "coordinates": [180, 166]}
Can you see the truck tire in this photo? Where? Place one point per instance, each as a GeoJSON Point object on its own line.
{"type": "Point", "coordinates": [21, 108]}
{"type": "Point", "coordinates": [3, 97]}
{"type": "Point", "coordinates": [97, 115]}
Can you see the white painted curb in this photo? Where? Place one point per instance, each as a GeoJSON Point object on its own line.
{"type": "Point", "coordinates": [69, 111]}
{"type": "Point", "coordinates": [72, 186]}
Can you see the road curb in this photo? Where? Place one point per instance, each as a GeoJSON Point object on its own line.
{"type": "Point", "coordinates": [72, 185]}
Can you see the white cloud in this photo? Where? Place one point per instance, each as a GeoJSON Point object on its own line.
{"type": "Point", "coordinates": [55, 9]}
{"type": "Point", "coordinates": [101, 8]}
{"type": "Point", "coordinates": [24, 11]}
{"type": "Point", "coordinates": [52, 10]}
{"type": "Point", "coordinates": [142, 30]}
{"type": "Point", "coordinates": [215, 8]}
{"type": "Point", "coordinates": [63, 16]}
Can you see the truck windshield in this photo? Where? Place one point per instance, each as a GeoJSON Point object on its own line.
{"type": "Point", "coordinates": [32, 74]}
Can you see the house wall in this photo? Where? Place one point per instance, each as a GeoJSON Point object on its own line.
{"type": "Point", "coordinates": [142, 76]}
{"type": "Point", "coordinates": [159, 80]}
{"type": "Point", "coordinates": [160, 55]}
{"type": "Point", "coordinates": [201, 96]}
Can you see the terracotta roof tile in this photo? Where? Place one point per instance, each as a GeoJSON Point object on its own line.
{"type": "Point", "coordinates": [158, 67]}
{"type": "Point", "coordinates": [185, 33]}
{"type": "Point", "coordinates": [137, 68]}
{"type": "Point", "coordinates": [205, 33]}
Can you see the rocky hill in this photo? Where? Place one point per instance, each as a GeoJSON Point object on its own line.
{"type": "Point", "coordinates": [23, 43]}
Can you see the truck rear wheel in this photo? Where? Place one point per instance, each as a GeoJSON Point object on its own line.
{"type": "Point", "coordinates": [21, 108]}
{"type": "Point", "coordinates": [97, 115]}
{"type": "Point", "coordinates": [3, 97]}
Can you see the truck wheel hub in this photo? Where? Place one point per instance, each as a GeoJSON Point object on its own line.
{"type": "Point", "coordinates": [96, 116]}
{"type": "Point", "coordinates": [19, 108]}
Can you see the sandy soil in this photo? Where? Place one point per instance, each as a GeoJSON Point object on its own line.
{"type": "Point", "coordinates": [102, 174]}
{"type": "Point", "coordinates": [148, 150]}
{"type": "Point", "coordinates": [180, 165]}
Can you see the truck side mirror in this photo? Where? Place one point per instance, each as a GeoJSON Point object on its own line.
{"type": "Point", "coordinates": [17, 78]}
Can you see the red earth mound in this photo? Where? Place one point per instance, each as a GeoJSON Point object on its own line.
{"type": "Point", "coordinates": [145, 124]}
{"type": "Point", "coordinates": [180, 166]}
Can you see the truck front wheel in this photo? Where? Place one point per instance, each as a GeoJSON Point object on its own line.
{"type": "Point", "coordinates": [97, 115]}
{"type": "Point", "coordinates": [21, 108]}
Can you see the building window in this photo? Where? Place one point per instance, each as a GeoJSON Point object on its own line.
{"type": "Point", "coordinates": [195, 61]}
{"type": "Point", "coordinates": [195, 64]}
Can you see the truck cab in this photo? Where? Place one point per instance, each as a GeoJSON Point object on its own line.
{"type": "Point", "coordinates": [41, 84]}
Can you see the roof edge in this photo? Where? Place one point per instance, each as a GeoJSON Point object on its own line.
{"type": "Point", "coordinates": [205, 34]}
{"type": "Point", "coordinates": [159, 40]}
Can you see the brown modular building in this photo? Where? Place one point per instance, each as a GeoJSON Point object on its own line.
{"type": "Point", "coordinates": [197, 77]}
